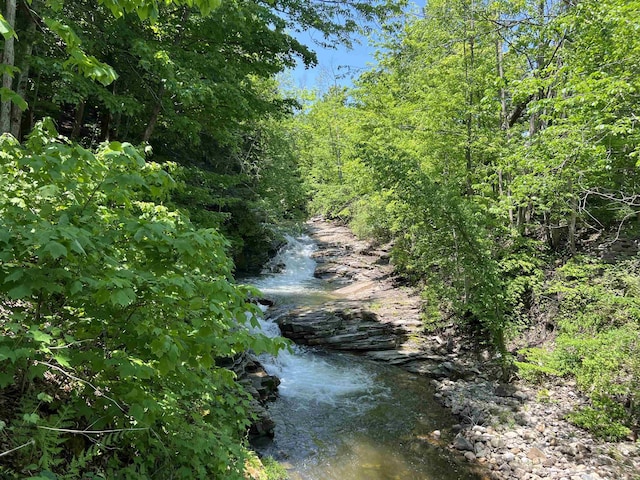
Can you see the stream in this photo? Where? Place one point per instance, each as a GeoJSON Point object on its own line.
{"type": "Point", "coordinates": [342, 416]}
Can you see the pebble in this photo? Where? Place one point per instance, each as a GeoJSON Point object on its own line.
{"type": "Point", "coordinates": [521, 439]}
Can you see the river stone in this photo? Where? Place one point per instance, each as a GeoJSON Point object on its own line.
{"type": "Point", "coordinates": [461, 443]}
{"type": "Point", "coordinates": [497, 442]}
{"type": "Point", "coordinates": [508, 457]}
{"type": "Point", "coordinates": [536, 454]}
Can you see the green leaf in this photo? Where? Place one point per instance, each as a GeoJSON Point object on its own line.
{"type": "Point", "coordinates": [76, 287]}
{"type": "Point", "coordinates": [14, 276]}
{"type": "Point", "coordinates": [45, 397]}
{"type": "Point", "coordinates": [165, 365]}
{"type": "Point", "coordinates": [8, 95]}
{"type": "Point", "coordinates": [55, 249]}
{"type": "Point", "coordinates": [7, 353]}
{"type": "Point", "coordinates": [31, 418]}
{"type": "Point", "coordinates": [49, 191]}
{"type": "Point", "coordinates": [137, 412]}
{"type": "Point", "coordinates": [62, 360]}
{"type": "Point", "coordinates": [40, 336]}
{"type": "Point", "coordinates": [21, 291]}
{"type": "Point", "coordinates": [123, 297]}
{"type": "Point", "coordinates": [5, 29]}
{"type": "Point", "coordinates": [6, 379]}
{"type": "Point", "coordinates": [65, 32]}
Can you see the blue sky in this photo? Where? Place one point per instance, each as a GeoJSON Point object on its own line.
{"type": "Point", "coordinates": [334, 65]}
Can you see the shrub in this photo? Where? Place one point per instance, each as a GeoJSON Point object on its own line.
{"type": "Point", "coordinates": [598, 343]}
{"type": "Point", "coordinates": [114, 313]}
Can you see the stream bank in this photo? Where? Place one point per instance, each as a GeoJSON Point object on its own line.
{"type": "Point", "coordinates": [512, 431]}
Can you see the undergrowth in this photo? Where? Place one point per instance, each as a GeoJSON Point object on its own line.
{"type": "Point", "coordinates": [598, 343]}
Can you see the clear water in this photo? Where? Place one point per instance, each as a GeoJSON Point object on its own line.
{"type": "Point", "coordinates": [341, 416]}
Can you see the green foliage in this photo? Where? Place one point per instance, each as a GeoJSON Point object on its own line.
{"type": "Point", "coordinates": [540, 364]}
{"type": "Point", "coordinates": [599, 327]}
{"type": "Point", "coordinates": [432, 318]}
{"type": "Point", "coordinates": [115, 310]}
{"type": "Point", "coordinates": [605, 420]}
{"type": "Point", "coordinates": [274, 470]}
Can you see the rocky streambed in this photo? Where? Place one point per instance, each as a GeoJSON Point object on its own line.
{"type": "Point", "coordinates": [510, 431]}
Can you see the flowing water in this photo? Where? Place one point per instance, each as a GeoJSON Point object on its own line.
{"type": "Point", "coordinates": [341, 416]}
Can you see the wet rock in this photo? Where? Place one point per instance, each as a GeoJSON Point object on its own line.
{"type": "Point", "coordinates": [262, 387]}
{"type": "Point", "coordinates": [346, 326]}
{"type": "Point", "coordinates": [263, 425]}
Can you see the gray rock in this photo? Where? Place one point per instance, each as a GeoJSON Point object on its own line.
{"type": "Point", "coordinates": [461, 443]}
{"type": "Point", "coordinates": [508, 457]}
{"type": "Point", "coordinates": [497, 442]}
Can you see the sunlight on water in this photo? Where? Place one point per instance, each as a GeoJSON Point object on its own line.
{"type": "Point", "coordinates": [296, 274]}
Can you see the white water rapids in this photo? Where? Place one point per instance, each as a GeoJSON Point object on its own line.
{"type": "Point", "coordinates": [305, 375]}
{"type": "Point", "coordinates": [340, 416]}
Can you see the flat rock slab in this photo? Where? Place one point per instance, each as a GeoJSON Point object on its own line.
{"type": "Point", "coordinates": [340, 326]}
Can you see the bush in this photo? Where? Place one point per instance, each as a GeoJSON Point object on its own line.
{"type": "Point", "coordinates": [114, 312]}
{"type": "Point", "coordinates": [598, 343]}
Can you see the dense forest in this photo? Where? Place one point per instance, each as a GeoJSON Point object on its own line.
{"type": "Point", "coordinates": [149, 157]}
{"type": "Point", "coordinates": [496, 143]}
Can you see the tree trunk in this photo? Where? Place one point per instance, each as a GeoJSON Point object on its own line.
{"type": "Point", "coordinates": [504, 125]}
{"type": "Point", "coordinates": [155, 113]}
{"type": "Point", "coordinates": [468, 67]}
{"type": "Point", "coordinates": [78, 119]}
{"type": "Point", "coordinates": [504, 116]}
{"type": "Point", "coordinates": [8, 58]}
{"type": "Point", "coordinates": [573, 217]}
{"type": "Point", "coordinates": [157, 108]}
{"type": "Point", "coordinates": [105, 127]}
{"type": "Point", "coordinates": [24, 55]}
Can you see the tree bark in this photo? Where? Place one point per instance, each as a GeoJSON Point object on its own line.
{"type": "Point", "coordinates": [78, 119]}
{"type": "Point", "coordinates": [469, 66]}
{"type": "Point", "coordinates": [573, 217]}
{"type": "Point", "coordinates": [105, 128]}
{"type": "Point", "coordinates": [157, 108]}
{"type": "Point", "coordinates": [8, 59]}
{"type": "Point", "coordinates": [155, 113]}
{"type": "Point", "coordinates": [25, 56]}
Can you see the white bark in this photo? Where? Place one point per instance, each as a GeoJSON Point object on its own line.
{"type": "Point", "coordinates": [8, 59]}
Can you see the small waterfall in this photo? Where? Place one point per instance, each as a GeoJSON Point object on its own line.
{"type": "Point", "coordinates": [304, 374]}
{"type": "Point", "coordinates": [295, 267]}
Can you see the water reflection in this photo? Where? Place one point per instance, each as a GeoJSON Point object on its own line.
{"type": "Point", "coordinates": [383, 433]}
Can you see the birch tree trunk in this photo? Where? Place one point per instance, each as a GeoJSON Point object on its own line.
{"type": "Point", "coordinates": [8, 58]}
{"type": "Point", "coordinates": [24, 59]}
